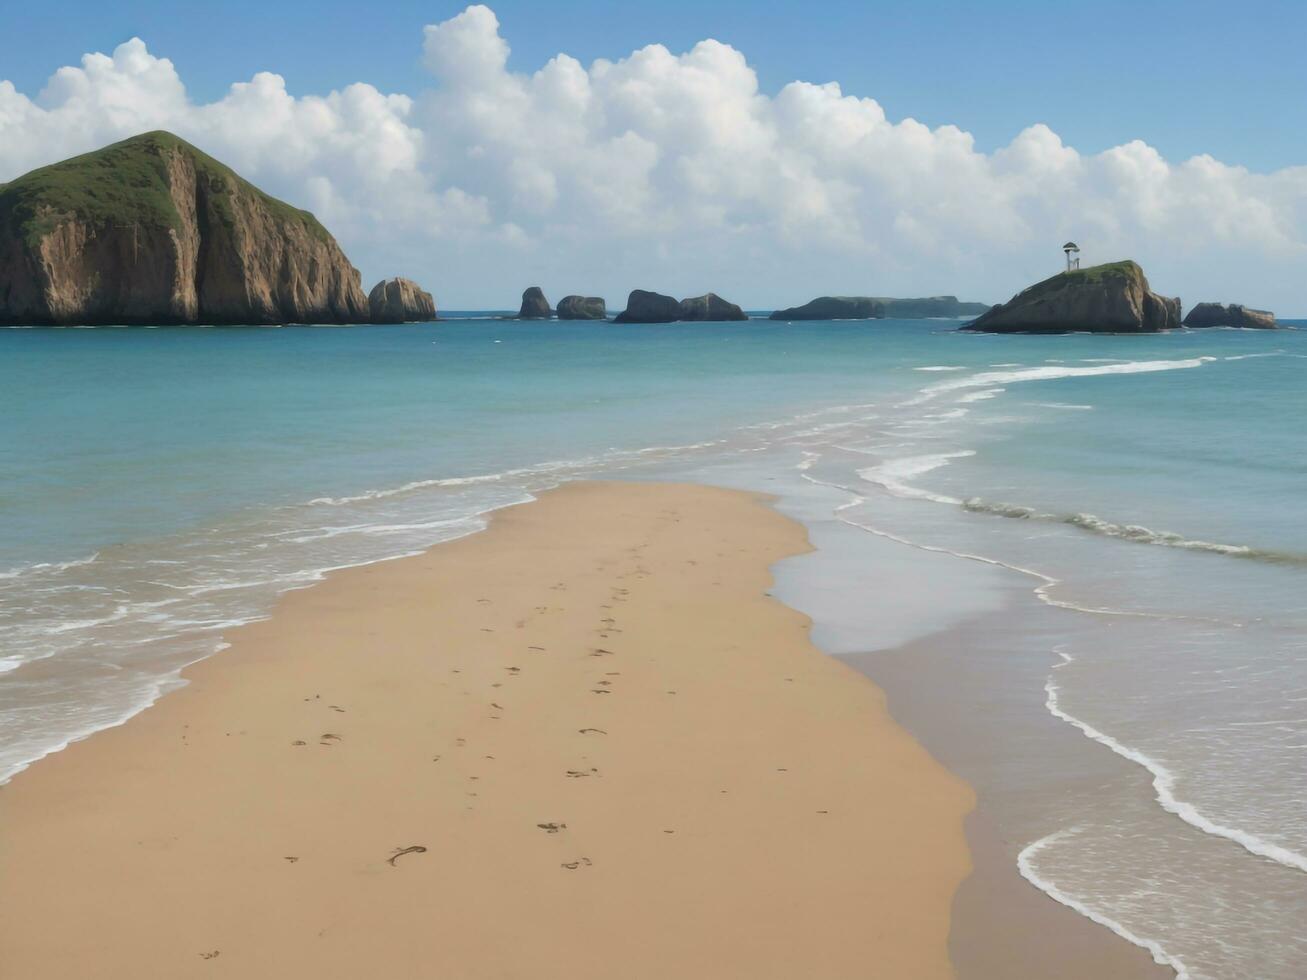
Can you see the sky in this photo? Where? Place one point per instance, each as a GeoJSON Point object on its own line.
{"type": "Point", "coordinates": [768, 151]}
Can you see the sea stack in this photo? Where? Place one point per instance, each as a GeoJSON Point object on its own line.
{"type": "Point", "coordinates": [643, 306]}
{"type": "Point", "coordinates": [534, 305]}
{"type": "Point", "coordinates": [834, 308]}
{"type": "Point", "coordinates": [1112, 298]}
{"type": "Point", "coordinates": [710, 307]}
{"type": "Point", "coordinates": [582, 308]}
{"type": "Point", "coordinates": [400, 301]}
{"type": "Point", "coordinates": [1234, 315]}
{"type": "Point", "coordinates": [153, 231]}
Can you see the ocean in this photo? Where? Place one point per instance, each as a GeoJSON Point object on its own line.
{"type": "Point", "coordinates": [1106, 534]}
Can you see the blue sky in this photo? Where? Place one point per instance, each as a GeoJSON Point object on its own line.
{"type": "Point", "coordinates": [1187, 77]}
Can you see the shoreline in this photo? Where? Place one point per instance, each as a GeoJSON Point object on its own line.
{"type": "Point", "coordinates": [687, 786]}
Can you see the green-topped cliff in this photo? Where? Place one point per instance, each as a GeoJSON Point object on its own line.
{"type": "Point", "coordinates": [152, 230]}
{"type": "Point", "coordinates": [1110, 298]}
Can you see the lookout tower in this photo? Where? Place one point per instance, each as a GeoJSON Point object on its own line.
{"type": "Point", "coordinates": [1071, 248]}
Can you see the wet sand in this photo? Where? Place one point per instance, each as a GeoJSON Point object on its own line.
{"type": "Point", "coordinates": [583, 743]}
{"type": "Point", "coordinates": [1016, 755]}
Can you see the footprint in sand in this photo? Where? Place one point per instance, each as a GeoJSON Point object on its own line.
{"type": "Point", "coordinates": [592, 731]}
{"type": "Point", "coordinates": [573, 865]}
{"type": "Point", "coordinates": [552, 828]}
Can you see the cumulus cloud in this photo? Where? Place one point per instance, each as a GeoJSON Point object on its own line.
{"type": "Point", "coordinates": [675, 172]}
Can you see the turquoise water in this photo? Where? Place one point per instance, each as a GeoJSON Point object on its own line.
{"type": "Point", "coordinates": [159, 486]}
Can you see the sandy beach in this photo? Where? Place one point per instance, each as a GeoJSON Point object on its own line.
{"type": "Point", "coordinates": [583, 743]}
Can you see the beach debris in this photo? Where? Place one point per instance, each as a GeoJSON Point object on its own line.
{"type": "Point", "coordinates": [401, 851]}
{"type": "Point", "coordinates": [552, 828]}
{"type": "Point", "coordinates": [536, 648]}
{"type": "Point", "coordinates": [336, 707]}
{"type": "Point", "coordinates": [592, 731]}
{"type": "Point", "coordinates": [581, 773]}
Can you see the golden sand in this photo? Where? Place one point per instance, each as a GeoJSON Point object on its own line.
{"type": "Point", "coordinates": [581, 744]}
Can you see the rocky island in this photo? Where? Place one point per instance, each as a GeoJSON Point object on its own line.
{"type": "Point", "coordinates": [1111, 298]}
{"type": "Point", "coordinates": [153, 231]}
{"type": "Point", "coordinates": [400, 301]}
{"type": "Point", "coordinates": [880, 307]}
{"type": "Point", "coordinates": [834, 308]}
{"type": "Point", "coordinates": [1234, 315]}
{"type": "Point", "coordinates": [643, 306]}
{"type": "Point", "coordinates": [582, 308]}
{"type": "Point", "coordinates": [927, 307]}
{"type": "Point", "coordinates": [710, 307]}
{"type": "Point", "coordinates": [534, 305]}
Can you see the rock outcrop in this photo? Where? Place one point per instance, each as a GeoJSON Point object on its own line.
{"type": "Point", "coordinates": [582, 308]}
{"type": "Point", "coordinates": [834, 308]}
{"type": "Point", "coordinates": [710, 307]}
{"type": "Point", "coordinates": [1234, 315]}
{"type": "Point", "coordinates": [400, 301]}
{"type": "Point", "coordinates": [534, 305]}
{"type": "Point", "coordinates": [153, 231]}
{"type": "Point", "coordinates": [1113, 298]}
{"type": "Point", "coordinates": [643, 306]}
{"type": "Point", "coordinates": [922, 307]}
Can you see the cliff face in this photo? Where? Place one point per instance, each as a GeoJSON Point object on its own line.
{"type": "Point", "coordinates": [1234, 315]}
{"type": "Point", "coordinates": [400, 301]}
{"type": "Point", "coordinates": [1113, 298]}
{"type": "Point", "coordinates": [152, 231]}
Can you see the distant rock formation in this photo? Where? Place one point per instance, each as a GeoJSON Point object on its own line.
{"type": "Point", "coordinates": [922, 307]}
{"type": "Point", "coordinates": [834, 308]}
{"type": "Point", "coordinates": [1112, 298]}
{"type": "Point", "coordinates": [153, 231]}
{"type": "Point", "coordinates": [710, 306]}
{"type": "Point", "coordinates": [1234, 315]}
{"type": "Point", "coordinates": [400, 301]}
{"type": "Point", "coordinates": [534, 305]}
{"type": "Point", "coordinates": [582, 308]}
{"type": "Point", "coordinates": [643, 306]}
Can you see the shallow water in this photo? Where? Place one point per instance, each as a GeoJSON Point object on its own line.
{"type": "Point", "coordinates": [1145, 493]}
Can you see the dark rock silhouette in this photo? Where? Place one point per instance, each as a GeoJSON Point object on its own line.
{"type": "Point", "coordinates": [834, 308]}
{"type": "Point", "coordinates": [643, 306]}
{"type": "Point", "coordinates": [582, 308]}
{"type": "Point", "coordinates": [711, 307]}
{"type": "Point", "coordinates": [534, 305]}
{"type": "Point", "coordinates": [1234, 315]}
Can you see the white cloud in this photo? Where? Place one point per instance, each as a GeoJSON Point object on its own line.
{"type": "Point", "coordinates": [674, 172]}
